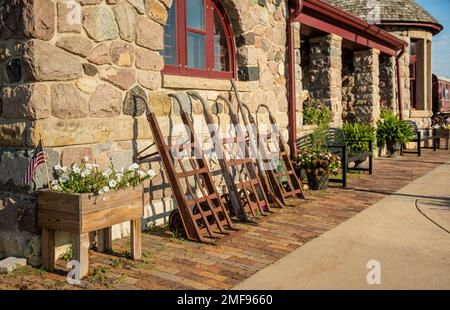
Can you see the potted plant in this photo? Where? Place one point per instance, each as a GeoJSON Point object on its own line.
{"type": "Point", "coordinates": [392, 132]}
{"type": "Point", "coordinates": [357, 136]}
{"type": "Point", "coordinates": [84, 198]}
{"type": "Point", "coordinates": [317, 164]}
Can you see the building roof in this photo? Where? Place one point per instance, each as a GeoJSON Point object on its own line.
{"type": "Point", "coordinates": [392, 11]}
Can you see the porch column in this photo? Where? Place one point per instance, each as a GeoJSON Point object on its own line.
{"type": "Point", "coordinates": [388, 86]}
{"type": "Point", "coordinates": [325, 73]}
{"type": "Point", "coordinates": [367, 71]}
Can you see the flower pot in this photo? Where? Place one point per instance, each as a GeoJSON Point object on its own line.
{"type": "Point", "coordinates": [393, 149]}
{"type": "Point", "coordinates": [81, 214]}
{"type": "Point", "coordinates": [318, 182]}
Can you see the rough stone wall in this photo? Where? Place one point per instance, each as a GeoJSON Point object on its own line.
{"type": "Point", "coordinates": [325, 73]}
{"type": "Point", "coordinates": [71, 81]}
{"type": "Point", "coordinates": [388, 94]}
{"type": "Point", "coordinates": [348, 88]}
{"type": "Point", "coordinates": [366, 64]}
{"type": "Point", "coordinates": [421, 117]}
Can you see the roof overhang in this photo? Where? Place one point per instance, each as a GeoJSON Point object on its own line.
{"type": "Point", "coordinates": [433, 27]}
{"type": "Point", "coordinates": [325, 17]}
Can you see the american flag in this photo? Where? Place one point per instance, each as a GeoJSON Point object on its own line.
{"type": "Point", "coordinates": [37, 159]}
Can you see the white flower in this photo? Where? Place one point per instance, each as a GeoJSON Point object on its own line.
{"type": "Point", "coordinates": [76, 169]}
{"type": "Point", "coordinates": [85, 173]}
{"type": "Point", "coordinates": [119, 176]}
{"type": "Point", "coordinates": [112, 184]}
{"type": "Point", "coordinates": [133, 167]}
{"type": "Point", "coordinates": [151, 173]}
{"type": "Point", "coordinates": [57, 188]}
{"type": "Point", "coordinates": [101, 192]}
{"type": "Point", "coordinates": [55, 182]}
{"type": "Point", "coordinates": [141, 173]}
{"type": "Point", "coordinates": [106, 189]}
{"type": "Point", "coordinates": [86, 158]}
{"type": "Point", "coordinates": [58, 168]}
{"type": "Point", "coordinates": [107, 173]}
{"type": "Point", "coordinates": [89, 166]}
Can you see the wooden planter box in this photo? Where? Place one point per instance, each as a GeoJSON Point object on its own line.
{"type": "Point", "coordinates": [81, 214]}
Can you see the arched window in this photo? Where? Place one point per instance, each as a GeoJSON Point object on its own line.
{"type": "Point", "coordinates": [198, 40]}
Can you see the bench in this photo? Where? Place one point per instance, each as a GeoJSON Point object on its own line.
{"type": "Point", "coordinates": [420, 135]}
{"type": "Point", "coordinates": [336, 143]}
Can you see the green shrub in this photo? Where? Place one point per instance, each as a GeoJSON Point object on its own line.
{"type": "Point", "coordinates": [316, 113]}
{"type": "Point", "coordinates": [392, 130]}
{"type": "Point", "coordinates": [355, 132]}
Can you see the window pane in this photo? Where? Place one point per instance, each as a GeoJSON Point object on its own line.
{"type": "Point", "coordinates": [195, 11]}
{"type": "Point", "coordinates": [170, 38]}
{"type": "Point", "coordinates": [196, 51]}
{"type": "Point", "coordinates": [221, 52]}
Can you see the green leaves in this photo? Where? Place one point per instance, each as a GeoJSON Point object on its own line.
{"type": "Point", "coordinates": [358, 135]}
{"type": "Point", "coordinates": [316, 113]}
{"type": "Point", "coordinates": [392, 130]}
{"type": "Point", "coordinates": [89, 178]}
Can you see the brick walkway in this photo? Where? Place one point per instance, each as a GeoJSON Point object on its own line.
{"type": "Point", "coordinates": [171, 263]}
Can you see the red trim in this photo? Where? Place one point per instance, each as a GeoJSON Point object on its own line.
{"type": "Point", "coordinates": [328, 18]}
{"type": "Point", "coordinates": [436, 28]}
{"type": "Point", "coordinates": [182, 31]}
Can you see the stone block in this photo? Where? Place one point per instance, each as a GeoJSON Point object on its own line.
{"type": "Point", "coordinates": [21, 244]}
{"type": "Point", "coordinates": [100, 23]}
{"type": "Point", "coordinates": [149, 60]}
{"type": "Point", "coordinates": [149, 79]}
{"type": "Point", "coordinates": [122, 78]}
{"type": "Point", "coordinates": [100, 55]}
{"type": "Point", "coordinates": [156, 10]}
{"type": "Point", "coordinates": [74, 155]}
{"type": "Point", "coordinates": [122, 54]}
{"type": "Point", "coordinates": [105, 102]}
{"type": "Point", "coordinates": [126, 18]}
{"type": "Point", "coordinates": [26, 101]}
{"type": "Point", "coordinates": [69, 17]}
{"type": "Point", "coordinates": [149, 34]}
{"type": "Point", "coordinates": [45, 62]}
{"type": "Point", "coordinates": [68, 102]}
{"type": "Point", "coordinates": [76, 45]}
{"type": "Point", "coordinates": [9, 264]}
{"type": "Point", "coordinates": [13, 133]}
{"type": "Point", "coordinates": [121, 159]}
{"type": "Point", "coordinates": [69, 132]}
{"type": "Point", "coordinates": [27, 19]}
{"type": "Point", "coordinates": [160, 103]}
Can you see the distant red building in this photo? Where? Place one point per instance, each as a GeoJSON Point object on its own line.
{"type": "Point", "coordinates": [441, 94]}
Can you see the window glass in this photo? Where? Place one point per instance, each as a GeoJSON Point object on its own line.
{"type": "Point", "coordinates": [170, 38]}
{"type": "Point", "coordinates": [196, 51]}
{"type": "Point", "coordinates": [412, 47]}
{"type": "Point", "coordinates": [221, 57]}
{"type": "Point", "coordinates": [195, 11]}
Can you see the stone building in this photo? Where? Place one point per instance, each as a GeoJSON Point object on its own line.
{"type": "Point", "coordinates": [69, 70]}
{"type": "Point", "coordinates": [414, 25]}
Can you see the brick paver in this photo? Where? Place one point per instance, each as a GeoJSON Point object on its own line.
{"type": "Point", "coordinates": [170, 263]}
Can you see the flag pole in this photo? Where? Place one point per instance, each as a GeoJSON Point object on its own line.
{"type": "Point", "coordinates": [46, 163]}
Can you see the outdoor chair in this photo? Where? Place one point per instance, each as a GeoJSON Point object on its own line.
{"type": "Point", "coordinates": [420, 135]}
{"type": "Point", "coordinates": [336, 143]}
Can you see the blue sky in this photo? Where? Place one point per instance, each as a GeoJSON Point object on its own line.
{"type": "Point", "coordinates": [440, 9]}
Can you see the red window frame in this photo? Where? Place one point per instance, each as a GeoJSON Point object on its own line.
{"type": "Point", "coordinates": [413, 75]}
{"type": "Point", "coordinates": [182, 31]}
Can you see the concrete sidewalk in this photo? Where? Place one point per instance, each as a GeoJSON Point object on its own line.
{"type": "Point", "coordinates": [413, 252]}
